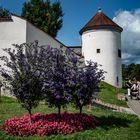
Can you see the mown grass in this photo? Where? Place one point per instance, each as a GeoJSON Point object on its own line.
{"type": "Point", "coordinates": [114, 126]}
{"type": "Point", "coordinates": [109, 93]}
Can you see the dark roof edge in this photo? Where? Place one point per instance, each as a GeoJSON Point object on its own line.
{"type": "Point", "coordinates": [116, 28]}
{"type": "Point", "coordinates": [6, 19]}
{"type": "Point", "coordinates": [74, 46]}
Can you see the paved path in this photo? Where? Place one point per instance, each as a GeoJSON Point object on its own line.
{"type": "Point", "coordinates": [113, 107]}
{"type": "Point", "coordinates": [134, 105]}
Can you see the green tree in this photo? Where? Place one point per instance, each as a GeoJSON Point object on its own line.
{"type": "Point", "coordinates": [130, 68]}
{"type": "Point", "coordinates": [4, 13]}
{"type": "Point", "coordinates": [136, 72]}
{"type": "Point", "coordinates": [127, 71]}
{"type": "Point", "coordinates": [131, 71]}
{"type": "Point", "coordinates": [44, 14]}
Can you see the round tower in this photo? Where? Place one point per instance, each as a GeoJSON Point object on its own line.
{"type": "Point", "coordinates": [101, 43]}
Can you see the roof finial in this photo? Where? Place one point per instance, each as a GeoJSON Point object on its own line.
{"type": "Point", "coordinates": [99, 9]}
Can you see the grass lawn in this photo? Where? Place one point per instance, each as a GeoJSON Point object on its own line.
{"type": "Point", "coordinates": [114, 126]}
{"type": "Point", "coordinates": [109, 93]}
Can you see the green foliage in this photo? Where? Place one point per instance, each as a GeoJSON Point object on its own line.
{"type": "Point", "coordinates": [44, 14]}
{"type": "Point", "coordinates": [131, 71]}
{"type": "Point", "coordinates": [4, 13]}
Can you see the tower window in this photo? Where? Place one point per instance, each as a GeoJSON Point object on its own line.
{"type": "Point", "coordinates": [119, 53]}
{"type": "Point", "coordinates": [98, 51]}
{"type": "Point", "coordinates": [117, 81]}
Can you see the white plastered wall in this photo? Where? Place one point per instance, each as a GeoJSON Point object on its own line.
{"type": "Point", "coordinates": [33, 33]}
{"type": "Point", "coordinates": [12, 32]}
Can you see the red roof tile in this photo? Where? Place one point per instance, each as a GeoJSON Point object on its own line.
{"type": "Point", "coordinates": [100, 21]}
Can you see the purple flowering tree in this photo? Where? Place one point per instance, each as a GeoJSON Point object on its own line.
{"type": "Point", "coordinates": [59, 76]}
{"type": "Point", "coordinates": [35, 72]}
{"type": "Point", "coordinates": [23, 72]}
{"type": "Point", "coordinates": [86, 82]}
{"type": "Point", "coordinates": [71, 80]}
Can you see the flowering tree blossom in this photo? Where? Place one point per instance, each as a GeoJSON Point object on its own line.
{"type": "Point", "coordinates": [58, 94]}
{"type": "Point", "coordinates": [70, 80]}
{"type": "Point", "coordinates": [85, 85]}
{"type": "Point", "coordinates": [57, 75]}
{"type": "Point", "coordinates": [22, 72]}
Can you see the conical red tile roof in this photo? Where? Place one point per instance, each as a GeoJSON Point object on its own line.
{"type": "Point", "coordinates": [100, 21]}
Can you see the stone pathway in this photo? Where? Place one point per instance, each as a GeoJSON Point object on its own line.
{"type": "Point", "coordinates": [116, 108]}
{"type": "Point", "coordinates": [134, 105]}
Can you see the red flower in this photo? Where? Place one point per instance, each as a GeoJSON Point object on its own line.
{"type": "Point", "coordinates": [49, 124]}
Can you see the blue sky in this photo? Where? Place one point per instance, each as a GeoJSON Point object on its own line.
{"type": "Point", "coordinates": [78, 12]}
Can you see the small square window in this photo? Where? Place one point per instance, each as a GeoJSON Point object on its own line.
{"type": "Point", "coordinates": [98, 50]}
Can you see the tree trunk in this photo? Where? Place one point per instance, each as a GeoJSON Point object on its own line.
{"type": "Point", "coordinates": [81, 109]}
{"type": "Point", "coordinates": [0, 94]}
{"type": "Point", "coordinates": [30, 116]}
{"type": "Point", "coordinates": [59, 110]}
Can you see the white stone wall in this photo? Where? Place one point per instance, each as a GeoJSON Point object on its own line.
{"type": "Point", "coordinates": [12, 32]}
{"type": "Point", "coordinates": [108, 41]}
{"type": "Point", "coordinates": [20, 31]}
{"type": "Point", "coordinates": [33, 33]}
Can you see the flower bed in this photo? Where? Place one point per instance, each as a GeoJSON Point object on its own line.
{"type": "Point", "coordinates": [49, 124]}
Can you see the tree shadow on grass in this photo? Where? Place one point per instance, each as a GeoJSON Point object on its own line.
{"type": "Point", "coordinates": [107, 122]}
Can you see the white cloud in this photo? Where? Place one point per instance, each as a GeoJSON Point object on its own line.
{"type": "Point", "coordinates": [130, 22]}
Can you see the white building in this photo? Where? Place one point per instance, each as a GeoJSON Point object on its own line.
{"type": "Point", "coordinates": [101, 43]}
{"type": "Point", "coordinates": [16, 30]}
